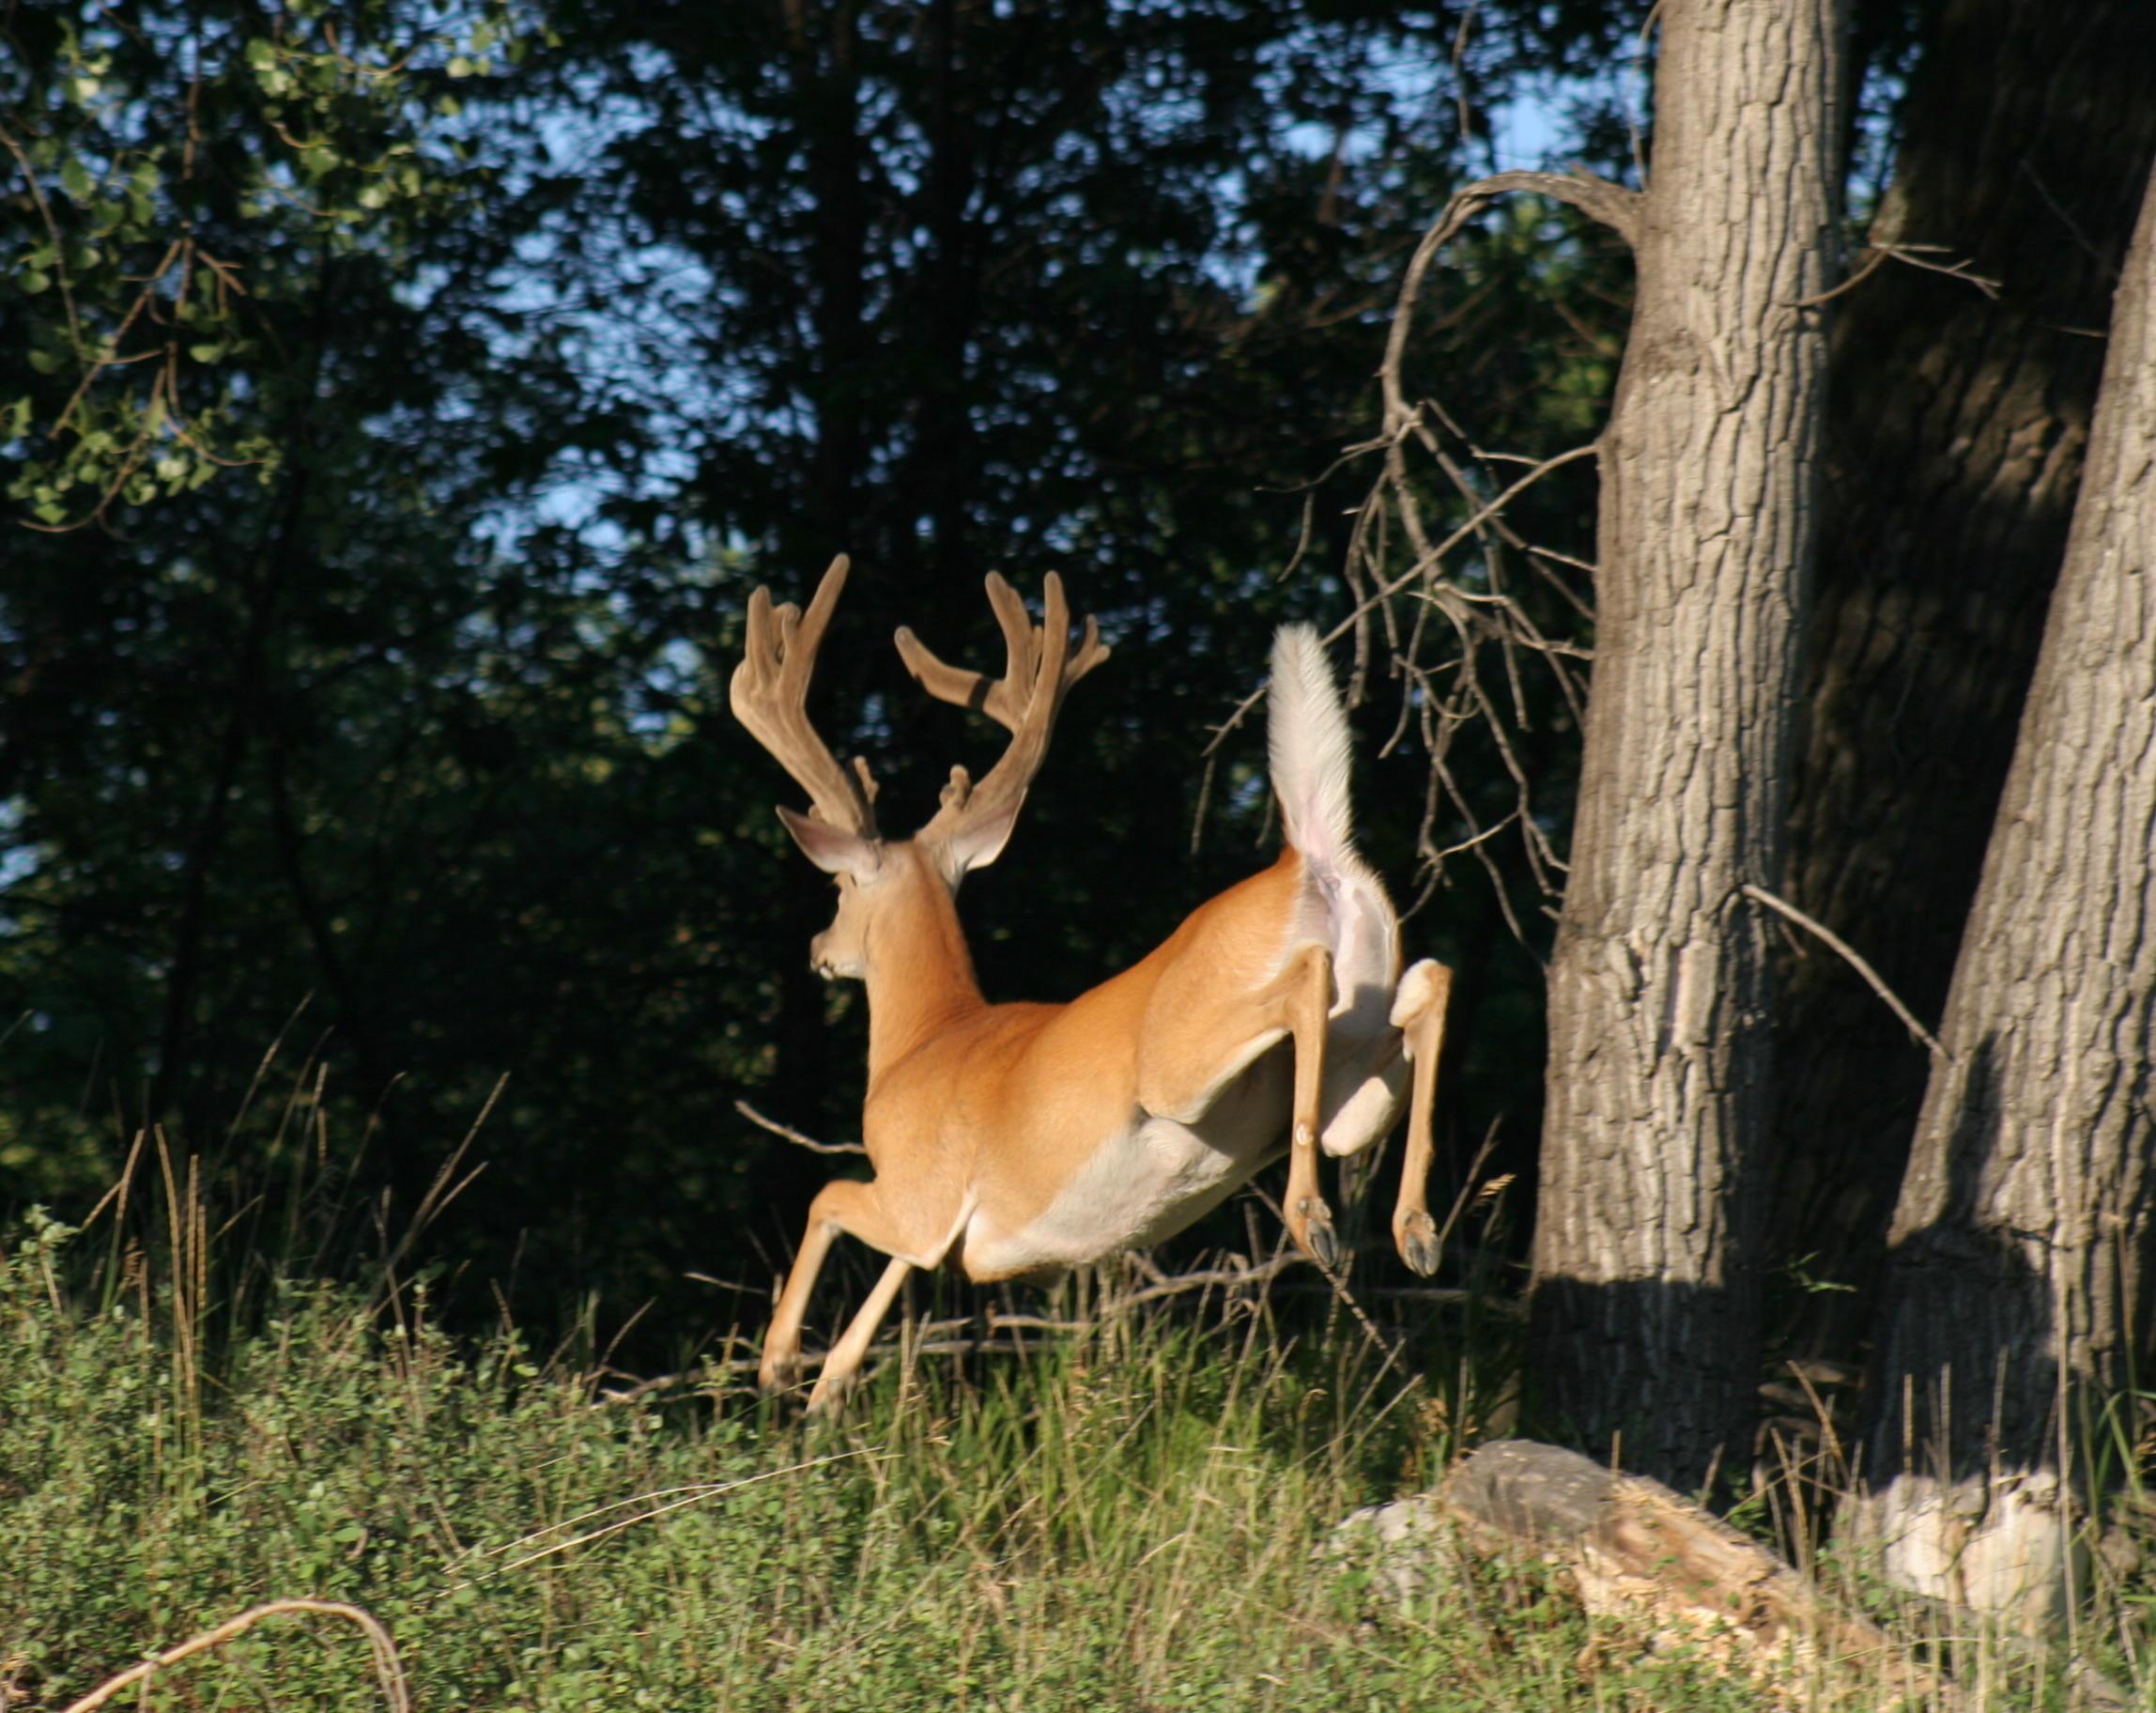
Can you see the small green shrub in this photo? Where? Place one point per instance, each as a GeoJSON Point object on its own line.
{"type": "Point", "coordinates": [1129, 1518]}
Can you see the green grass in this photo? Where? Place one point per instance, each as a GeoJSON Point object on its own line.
{"type": "Point", "coordinates": [1129, 1518]}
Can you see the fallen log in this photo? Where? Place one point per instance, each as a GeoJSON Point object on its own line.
{"type": "Point", "coordinates": [1638, 1553]}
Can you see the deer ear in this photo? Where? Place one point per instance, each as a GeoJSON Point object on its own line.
{"type": "Point", "coordinates": [978, 844]}
{"type": "Point", "coordinates": [833, 849]}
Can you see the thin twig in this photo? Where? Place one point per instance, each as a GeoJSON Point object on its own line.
{"type": "Point", "coordinates": [1880, 255]}
{"type": "Point", "coordinates": [795, 1136]}
{"type": "Point", "coordinates": [696, 1495]}
{"type": "Point", "coordinates": [1855, 962]}
{"type": "Point", "coordinates": [1913, 255]}
{"type": "Point", "coordinates": [1422, 563]}
{"type": "Point", "coordinates": [1883, 253]}
{"type": "Point", "coordinates": [1337, 1285]}
{"type": "Point", "coordinates": [1459, 70]}
{"type": "Point", "coordinates": [1631, 111]}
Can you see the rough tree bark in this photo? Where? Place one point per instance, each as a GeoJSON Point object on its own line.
{"type": "Point", "coordinates": [1957, 425]}
{"type": "Point", "coordinates": [2018, 1281]}
{"type": "Point", "coordinates": [1645, 1301]}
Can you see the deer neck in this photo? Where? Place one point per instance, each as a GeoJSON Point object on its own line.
{"type": "Point", "coordinates": [920, 976]}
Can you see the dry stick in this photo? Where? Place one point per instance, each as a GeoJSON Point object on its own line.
{"type": "Point", "coordinates": [1401, 421]}
{"type": "Point", "coordinates": [52, 232]}
{"type": "Point", "coordinates": [1912, 253]}
{"type": "Point", "coordinates": [1338, 1288]}
{"type": "Point", "coordinates": [1597, 197]}
{"type": "Point", "coordinates": [717, 1490]}
{"type": "Point", "coordinates": [387, 1668]}
{"type": "Point", "coordinates": [1855, 962]}
{"type": "Point", "coordinates": [1884, 252]}
{"type": "Point", "coordinates": [1459, 71]}
{"type": "Point", "coordinates": [1631, 109]}
{"type": "Point", "coordinates": [795, 1136]}
{"type": "Point", "coordinates": [1519, 544]}
{"type": "Point", "coordinates": [1386, 590]}
{"type": "Point", "coordinates": [1614, 207]}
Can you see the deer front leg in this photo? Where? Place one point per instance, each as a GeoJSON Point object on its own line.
{"type": "Point", "coordinates": [918, 1227]}
{"type": "Point", "coordinates": [844, 1362]}
{"type": "Point", "coordinates": [1305, 990]}
{"type": "Point", "coordinates": [780, 1368]}
{"type": "Point", "coordinates": [1419, 1014]}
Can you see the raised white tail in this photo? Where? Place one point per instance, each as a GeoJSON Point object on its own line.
{"type": "Point", "coordinates": [1308, 746]}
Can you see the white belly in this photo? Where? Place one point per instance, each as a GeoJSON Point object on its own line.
{"type": "Point", "coordinates": [1146, 1184]}
{"type": "Point", "coordinates": [1158, 1176]}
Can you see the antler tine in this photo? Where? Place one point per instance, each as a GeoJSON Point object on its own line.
{"type": "Point", "coordinates": [1039, 667]}
{"type": "Point", "coordinates": [1005, 700]}
{"type": "Point", "coordinates": [769, 694]}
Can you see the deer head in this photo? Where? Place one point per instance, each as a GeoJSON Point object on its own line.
{"type": "Point", "coordinates": [884, 882]}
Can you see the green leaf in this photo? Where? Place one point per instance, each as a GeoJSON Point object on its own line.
{"type": "Point", "coordinates": [75, 179]}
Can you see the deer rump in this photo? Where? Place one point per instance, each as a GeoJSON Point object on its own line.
{"type": "Point", "coordinates": [1199, 1111]}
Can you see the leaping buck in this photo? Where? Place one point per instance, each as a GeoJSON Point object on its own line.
{"type": "Point", "coordinates": [1032, 1138]}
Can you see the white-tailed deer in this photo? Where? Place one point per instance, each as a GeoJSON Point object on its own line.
{"type": "Point", "coordinates": [1029, 1138]}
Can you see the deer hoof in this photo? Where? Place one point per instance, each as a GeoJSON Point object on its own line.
{"type": "Point", "coordinates": [1415, 1235]}
{"type": "Point", "coordinates": [828, 1396]}
{"type": "Point", "coordinates": [1317, 1234]}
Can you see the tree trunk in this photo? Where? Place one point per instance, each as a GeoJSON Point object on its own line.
{"type": "Point", "coordinates": [1956, 429]}
{"type": "Point", "coordinates": [2017, 1282]}
{"type": "Point", "coordinates": [1646, 1296]}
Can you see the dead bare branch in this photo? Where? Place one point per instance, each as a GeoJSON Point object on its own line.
{"type": "Point", "coordinates": [795, 1136]}
{"type": "Point", "coordinates": [1850, 955]}
{"type": "Point", "coordinates": [389, 1672]}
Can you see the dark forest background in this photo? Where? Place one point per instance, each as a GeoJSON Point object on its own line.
{"type": "Point", "coordinates": [397, 404]}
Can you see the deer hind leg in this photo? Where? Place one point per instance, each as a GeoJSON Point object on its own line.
{"type": "Point", "coordinates": [1375, 1085]}
{"type": "Point", "coordinates": [1419, 1014]}
{"type": "Point", "coordinates": [844, 1362]}
{"type": "Point", "coordinates": [1193, 1047]}
{"type": "Point", "coordinates": [1303, 993]}
{"type": "Point", "coordinates": [859, 1210]}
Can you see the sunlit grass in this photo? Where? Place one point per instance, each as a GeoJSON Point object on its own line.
{"type": "Point", "coordinates": [1136, 1515]}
